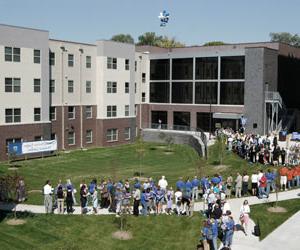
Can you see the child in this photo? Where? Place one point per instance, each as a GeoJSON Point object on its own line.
{"type": "Point", "coordinates": [95, 201]}
{"type": "Point", "coordinates": [170, 195]}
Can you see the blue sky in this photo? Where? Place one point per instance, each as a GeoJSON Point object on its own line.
{"type": "Point", "coordinates": [192, 21]}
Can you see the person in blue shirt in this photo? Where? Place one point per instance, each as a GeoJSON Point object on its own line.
{"type": "Point", "coordinates": [214, 227]}
{"type": "Point", "coordinates": [215, 179]}
{"type": "Point", "coordinates": [180, 184]}
{"type": "Point", "coordinates": [137, 184]}
{"type": "Point", "coordinates": [269, 176]}
{"type": "Point", "coordinates": [144, 201]}
{"type": "Point", "coordinates": [204, 184]}
{"type": "Point", "coordinates": [229, 230]}
{"type": "Point", "coordinates": [188, 188]}
{"type": "Point", "coordinates": [196, 184]}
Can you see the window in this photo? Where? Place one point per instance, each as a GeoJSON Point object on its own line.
{"type": "Point", "coordinates": [111, 87]}
{"type": "Point", "coordinates": [143, 97]}
{"type": "Point", "coordinates": [182, 92]}
{"type": "Point", "coordinates": [89, 136]}
{"type": "Point", "coordinates": [71, 138]}
{"type": "Point", "coordinates": [160, 69]}
{"type": "Point", "coordinates": [232, 93]}
{"type": "Point", "coordinates": [143, 77]}
{"type": "Point", "coordinates": [135, 109]}
{"type": "Point", "coordinates": [111, 111]}
{"type": "Point", "coordinates": [233, 67]}
{"type": "Point", "coordinates": [88, 62]}
{"type": "Point", "coordinates": [36, 56]}
{"type": "Point", "coordinates": [126, 110]}
{"type": "Point", "coordinates": [206, 92]}
{"type": "Point", "coordinates": [70, 86]}
{"type": "Point", "coordinates": [12, 84]}
{"type": "Point", "coordinates": [182, 69]}
{"type": "Point", "coordinates": [37, 114]}
{"type": "Point", "coordinates": [135, 87]}
{"type": "Point", "coordinates": [12, 115]}
{"type": "Point", "coordinates": [126, 87]}
{"type": "Point", "coordinates": [207, 68]}
{"type": "Point", "coordinates": [112, 135]}
{"type": "Point", "coordinates": [204, 121]}
{"type": "Point", "coordinates": [181, 120]}
{"type": "Point", "coordinates": [159, 119]}
{"type": "Point", "coordinates": [126, 64]}
{"type": "Point", "coordinates": [36, 85]}
{"type": "Point", "coordinates": [52, 58]}
{"type": "Point", "coordinates": [12, 54]}
{"type": "Point", "coordinates": [111, 63]}
{"type": "Point", "coordinates": [160, 92]}
{"type": "Point", "coordinates": [53, 136]}
{"type": "Point", "coordinates": [88, 112]}
{"type": "Point", "coordinates": [52, 113]}
{"type": "Point", "coordinates": [71, 112]}
{"type": "Point", "coordinates": [52, 86]}
{"type": "Point", "coordinates": [88, 87]}
{"type": "Point", "coordinates": [127, 133]}
{"type": "Point", "coordinates": [70, 60]}
{"type": "Point", "coordinates": [135, 66]}
{"type": "Point", "coordinates": [38, 138]}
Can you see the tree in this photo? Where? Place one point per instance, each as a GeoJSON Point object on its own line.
{"type": "Point", "coordinates": [285, 37]}
{"type": "Point", "coordinates": [214, 43]}
{"type": "Point", "coordinates": [150, 38]}
{"type": "Point", "coordinates": [123, 38]}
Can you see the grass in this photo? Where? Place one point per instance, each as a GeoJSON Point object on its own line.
{"type": "Point", "coordinates": [123, 162]}
{"type": "Point", "coordinates": [268, 221]}
{"type": "Point", "coordinates": [94, 232]}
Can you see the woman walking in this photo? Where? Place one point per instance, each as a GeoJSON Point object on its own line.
{"type": "Point", "coordinates": [244, 215]}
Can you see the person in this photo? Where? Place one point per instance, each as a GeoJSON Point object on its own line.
{"type": "Point", "coordinates": [238, 185]}
{"type": "Point", "coordinates": [244, 215]}
{"type": "Point", "coordinates": [95, 201]}
{"type": "Point", "coordinates": [159, 196]}
{"type": "Point", "coordinates": [83, 198]}
{"type": "Point", "coordinates": [60, 200]}
{"type": "Point", "coordinates": [262, 187]}
{"type": "Point", "coordinates": [163, 184]}
{"type": "Point", "coordinates": [245, 184]}
{"type": "Point", "coordinates": [206, 235]}
{"type": "Point", "coordinates": [269, 176]}
{"type": "Point", "coordinates": [283, 178]}
{"type": "Point", "coordinates": [136, 200]}
{"type": "Point", "coordinates": [70, 186]}
{"type": "Point", "coordinates": [214, 227]}
{"type": "Point", "coordinates": [195, 184]}
{"type": "Point", "coordinates": [188, 188]}
{"type": "Point", "coordinates": [180, 184]}
{"type": "Point", "coordinates": [118, 199]}
{"type": "Point", "coordinates": [290, 177]}
{"type": "Point", "coordinates": [178, 197]}
{"type": "Point", "coordinates": [229, 183]}
{"type": "Point", "coordinates": [144, 203]}
{"type": "Point", "coordinates": [48, 191]}
{"type": "Point", "coordinates": [69, 200]}
{"type": "Point", "coordinates": [229, 230]}
{"type": "Point", "coordinates": [254, 181]}
{"type": "Point", "coordinates": [216, 211]}
{"type": "Point", "coordinates": [126, 198]}
{"type": "Point", "coordinates": [170, 195]}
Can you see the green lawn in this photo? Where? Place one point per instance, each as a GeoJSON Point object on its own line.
{"type": "Point", "coordinates": [95, 232]}
{"type": "Point", "coordinates": [123, 162]}
{"type": "Point", "coordinates": [268, 221]}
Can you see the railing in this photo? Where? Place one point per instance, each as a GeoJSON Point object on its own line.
{"type": "Point", "coordinates": [198, 132]}
{"type": "Point", "coordinates": [273, 96]}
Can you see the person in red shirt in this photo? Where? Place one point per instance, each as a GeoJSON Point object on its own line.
{"type": "Point", "coordinates": [283, 177]}
{"type": "Point", "coordinates": [290, 177]}
{"type": "Point", "coordinates": [297, 175]}
{"type": "Point", "coordinates": [262, 187]}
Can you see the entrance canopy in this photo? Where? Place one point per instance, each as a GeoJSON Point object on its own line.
{"type": "Point", "coordinates": [233, 116]}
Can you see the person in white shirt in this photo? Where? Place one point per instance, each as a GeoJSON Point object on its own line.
{"type": "Point", "coordinates": [163, 184]}
{"type": "Point", "coordinates": [178, 197]}
{"type": "Point", "coordinates": [254, 181]}
{"type": "Point", "coordinates": [47, 191]}
{"type": "Point", "coordinates": [244, 215]}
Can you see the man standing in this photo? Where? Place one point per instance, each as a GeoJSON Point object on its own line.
{"type": "Point", "coordinates": [136, 202]}
{"type": "Point", "coordinates": [47, 190]}
{"type": "Point", "coordinates": [238, 185]}
{"type": "Point", "coordinates": [195, 184]}
{"type": "Point", "coordinates": [163, 184]}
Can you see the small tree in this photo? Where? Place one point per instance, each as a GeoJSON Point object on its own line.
{"type": "Point", "coordinates": [221, 139]}
{"type": "Point", "coordinates": [140, 150]}
{"type": "Point", "coordinates": [169, 140]}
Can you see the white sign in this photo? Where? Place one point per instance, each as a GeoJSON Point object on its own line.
{"type": "Point", "coordinates": [38, 146]}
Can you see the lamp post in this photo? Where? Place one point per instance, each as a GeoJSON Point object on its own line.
{"type": "Point", "coordinates": [80, 96]}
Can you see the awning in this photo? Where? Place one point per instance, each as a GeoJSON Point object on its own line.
{"type": "Point", "coordinates": [233, 116]}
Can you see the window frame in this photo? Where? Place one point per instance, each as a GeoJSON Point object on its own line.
{"type": "Point", "coordinates": [14, 87]}
{"type": "Point", "coordinates": [71, 112]}
{"type": "Point", "coordinates": [73, 138]}
{"type": "Point", "coordinates": [88, 87]}
{"type": "Point", "coordinates": [88, 62]}
{"type": "Point", "coordinates": [127, 133]}
{"type": "Point", "coordinates": [37, 114]}
{"type": "Point", "coordinates": [111, 63]}
{"type": "Point", "coordinates": [13, 115]}
{"type": "Point", "coordinates": [37, 58]}
{"type": "Point", "coordinates": [112, 135]}
{"type": "Point", "coordinates": [89, 136]}
{"type": "Point", "coordinates": [111, 87]}
{"type": "Point", "coordinates": [37, 85]}
{"type": "Point", "coordinates": [88, 112]}
{"type": "Point", "coordinates": [126, 110]}
{"type": "Point", "coordinates": [70, 86]}
{"type": "Point", "coordinates": [127, 64]}
{"type": "Point", "coordinates": [52, 58]}
{"type": "Point", "coordinates": [111, 111]}
{"type": "Point", "coordinates": [71, 60]}
{"type": "Point", "coordinates": [51, 113]}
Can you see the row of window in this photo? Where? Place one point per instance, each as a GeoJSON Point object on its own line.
{"type": "Point", "coordinates": [13, 54]}
{"type": "Point", "coordinates": [88, 112]}
{"type": "Point", "coordinates": [13, 115]}
{"type": "Point", "coordinates": [231, 93]}
{"type": "Point", "coordinates": [206, 68]}
{"type": "Point", "coordinates": [112, 63]}
{"type": "Point", "coordinates": [111, 111]}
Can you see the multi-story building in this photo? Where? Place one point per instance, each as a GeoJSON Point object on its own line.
{"type": "Point", "coordinates": [101, 94]}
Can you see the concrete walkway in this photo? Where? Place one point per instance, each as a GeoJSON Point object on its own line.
{"type": "Point", "coordinates": [285, 236]}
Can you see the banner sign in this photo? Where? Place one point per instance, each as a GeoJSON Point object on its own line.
{"type": "Point", "coordinates": [295, 136]}
{"type": "Point", "coordinates": [32, 147]}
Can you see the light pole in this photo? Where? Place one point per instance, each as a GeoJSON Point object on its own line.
{"type": "Point", "coordinates": [63, 49]}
